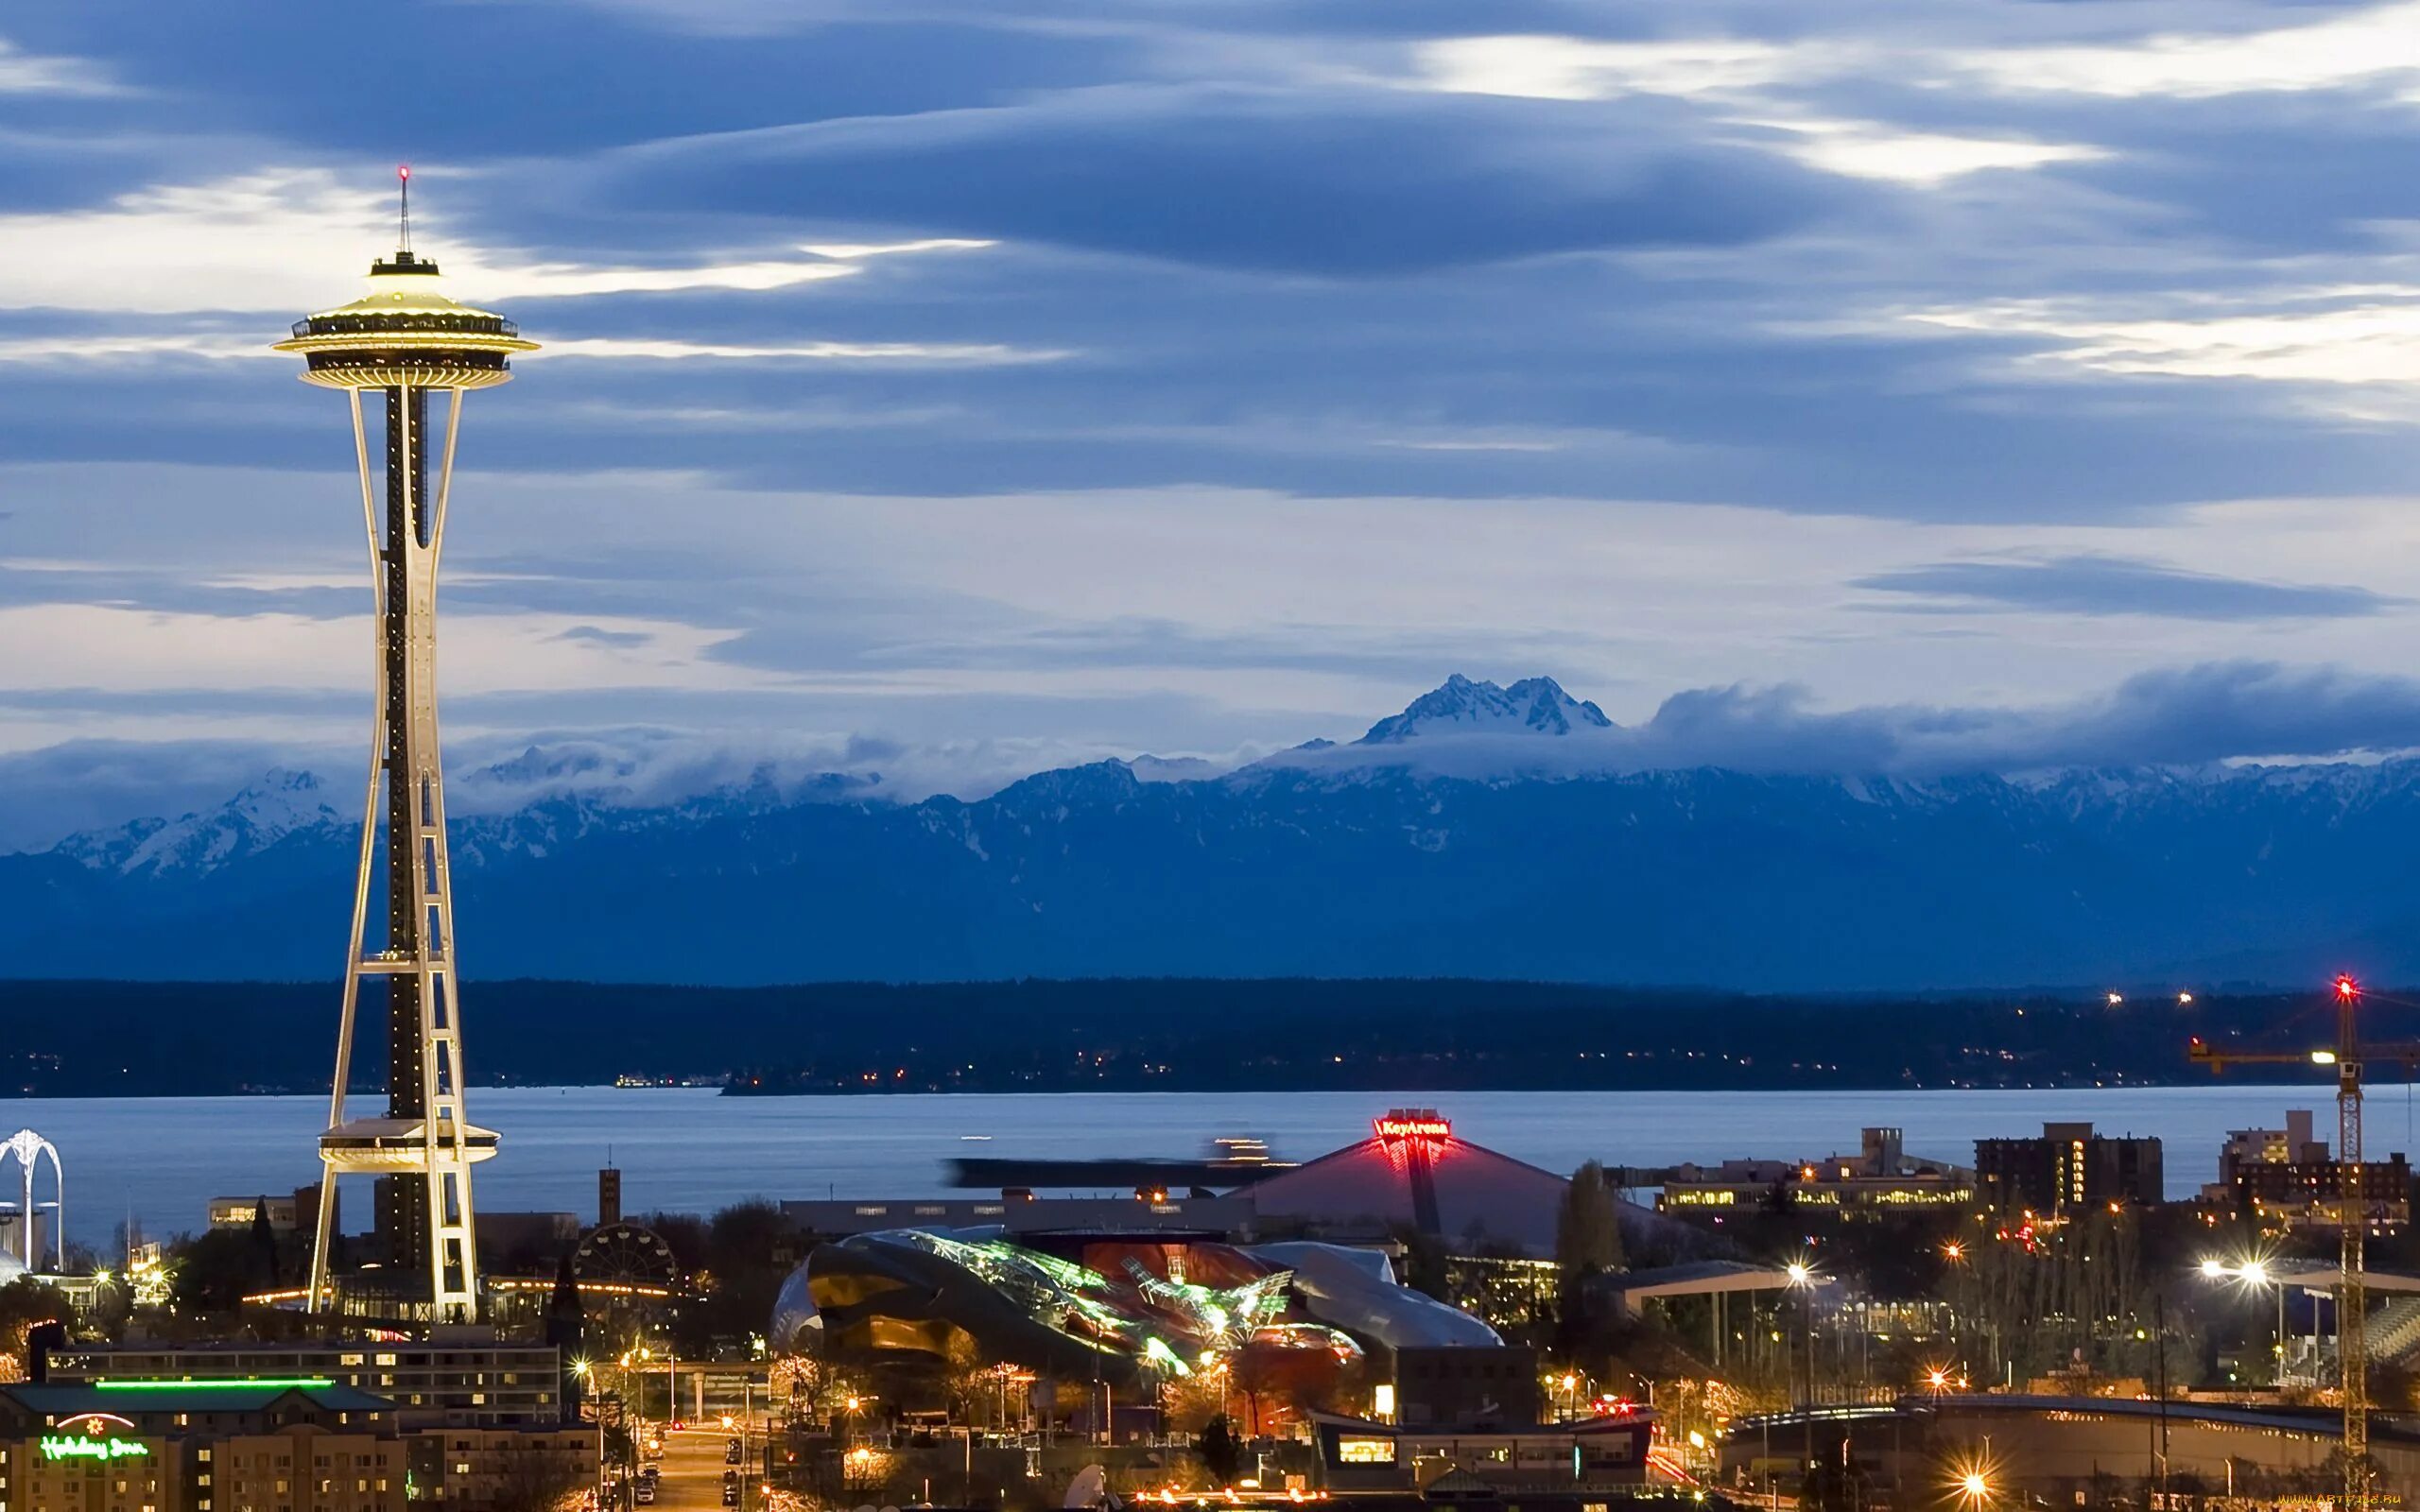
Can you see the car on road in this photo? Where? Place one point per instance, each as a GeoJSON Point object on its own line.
{"type": "Point", "coordinates": [644, 1492]}
{"type": "Point", "coordinates": [731, 1494]}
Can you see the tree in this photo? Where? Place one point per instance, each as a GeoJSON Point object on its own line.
{"type": "Point", "coordinates": [1424, 1265]}
{"type": "Point", "coordinates": [26, 1304]}
{"type": "Point", "coordinates": [1222, 1453]}
{"type": "Point", "coordinates": [264, 1245]}
{"type": "Point", "coordinates": [567, 1330]}
{"type": "Point", "coordinates": [536, 1480]}
{"type": "Point", "coordinates": [1587, 1228]}
{"type": "Point", "coordinates": [215, 1270]}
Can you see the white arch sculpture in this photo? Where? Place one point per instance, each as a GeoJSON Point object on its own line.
{"type": "Point", "coordinates": [27, 1148]}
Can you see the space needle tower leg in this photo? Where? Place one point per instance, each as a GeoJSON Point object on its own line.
{"type": "Point", "coordinates": [406, 342]}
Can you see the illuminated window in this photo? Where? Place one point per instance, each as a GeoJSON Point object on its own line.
{"type": "Point", "coordinates": [1365, 1451]}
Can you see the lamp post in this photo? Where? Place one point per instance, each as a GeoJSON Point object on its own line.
{"type": "Point", "coordinates": [1803, 1281]}
{"type": "Point", "coordinates": [2253, 1274]}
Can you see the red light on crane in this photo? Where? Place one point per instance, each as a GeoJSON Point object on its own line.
{"type": "Point", "coordinates": [402, 170]}
{"type": "Point", "coordinates": [2347, 987]}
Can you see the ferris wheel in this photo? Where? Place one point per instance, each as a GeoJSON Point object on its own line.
{"type": "Point", "coordinates": [624, 1259]}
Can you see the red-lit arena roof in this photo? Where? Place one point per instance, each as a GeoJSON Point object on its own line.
{"type": "Point", "coordinates": [1413, 1171]}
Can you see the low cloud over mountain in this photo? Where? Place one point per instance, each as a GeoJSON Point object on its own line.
{"type": "Point", "coordinates": [1739, 838]}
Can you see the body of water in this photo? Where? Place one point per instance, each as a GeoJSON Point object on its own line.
{"type": "Point", "coordinates": [687, 1149]}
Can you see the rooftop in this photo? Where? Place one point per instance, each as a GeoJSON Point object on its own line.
{"type": "Point", "coordinates": [130, 1397]}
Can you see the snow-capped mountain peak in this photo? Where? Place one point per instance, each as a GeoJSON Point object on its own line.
{"type": "Point", "coordinates": [1462, 706]}
{"type": "Point", "coordinates": [280, 804]}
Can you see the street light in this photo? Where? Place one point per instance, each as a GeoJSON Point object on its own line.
{"type": "Point", "coordinates": [1970, 1478]}
{"type": "Point", "coordinates": [2253, 1274]}
{"type": "Point", "coordinates": [1803, 1281]}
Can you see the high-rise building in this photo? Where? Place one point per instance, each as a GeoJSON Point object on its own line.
{"type": "Point", "coordinates": [2069, 1168]}
{"type": "Point", "coordinates": [402, 342]}
{"type": "Point", "coordinates": [461, 1378]}
{"type": "Point", "coordinates": [2284, 1179]}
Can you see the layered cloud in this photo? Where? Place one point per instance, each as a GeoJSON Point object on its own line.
{"type": "Point", "coordinates": [2112, 585]}
{"type": "Point", "coordinates": [2186, 716]}
{"type": "Point", "coordinates": [1055, 378]}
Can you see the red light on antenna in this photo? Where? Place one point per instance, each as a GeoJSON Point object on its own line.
{"type": "Point", "coordinates": [2346, 988]}
{"type": "Point", "coordinates": [402, 170]}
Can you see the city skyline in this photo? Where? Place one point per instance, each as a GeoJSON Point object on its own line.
{"type": "Point", "coordinates": [975, 391]}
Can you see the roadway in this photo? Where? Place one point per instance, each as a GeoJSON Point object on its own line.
{"type": "Point", "coordinates": [693, 1466]}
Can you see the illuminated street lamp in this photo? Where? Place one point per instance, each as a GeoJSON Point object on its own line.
{"type": "Point", "coordinates": [1970, 1479]}
{"type": "Point", "coordinates": [2253, 1274]}
{"type": "Point", "coordinates": [1803, 1281]}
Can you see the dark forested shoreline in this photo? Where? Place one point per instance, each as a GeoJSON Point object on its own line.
{"type": "Point", "coordinates": [120, 1039]}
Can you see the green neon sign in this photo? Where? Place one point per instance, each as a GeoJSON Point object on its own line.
{"type": "Point", "coordinates": [64, 1447]}
{"type": "Point", "coordinates": [190, 1384]}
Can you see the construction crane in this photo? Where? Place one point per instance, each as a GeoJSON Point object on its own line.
{"type": "Point", "coordinates": [2350, 1210]}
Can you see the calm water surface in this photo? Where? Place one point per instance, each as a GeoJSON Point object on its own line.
{"type": "Point", "coordinates": [687, 1149]}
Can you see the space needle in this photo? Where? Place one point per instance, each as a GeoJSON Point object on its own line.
{"type": "Point", "coordinates": [402, 342]}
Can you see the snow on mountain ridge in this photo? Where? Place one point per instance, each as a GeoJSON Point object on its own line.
{"type": "Point", "coordinates": [1461, 706]}
{"type": "Point", "coordinates": [259, 816]}
{"type": "Point", "coordinates": [544, 796]}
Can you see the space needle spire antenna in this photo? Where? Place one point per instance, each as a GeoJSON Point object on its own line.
{"type": "Point", "coordinates": [400, 343]}
{"type": "Point", "coordinates": [403, 214]}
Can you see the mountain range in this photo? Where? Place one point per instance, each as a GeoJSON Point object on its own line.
{"type": "Point", "coordinates": [1470, 836]}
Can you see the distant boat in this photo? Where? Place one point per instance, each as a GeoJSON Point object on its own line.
{"type": "Point", "coordinates": [977, 1138]}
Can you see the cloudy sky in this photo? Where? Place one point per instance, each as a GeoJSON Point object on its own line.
{"type": "Point", "coordinates": [959, 387]}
